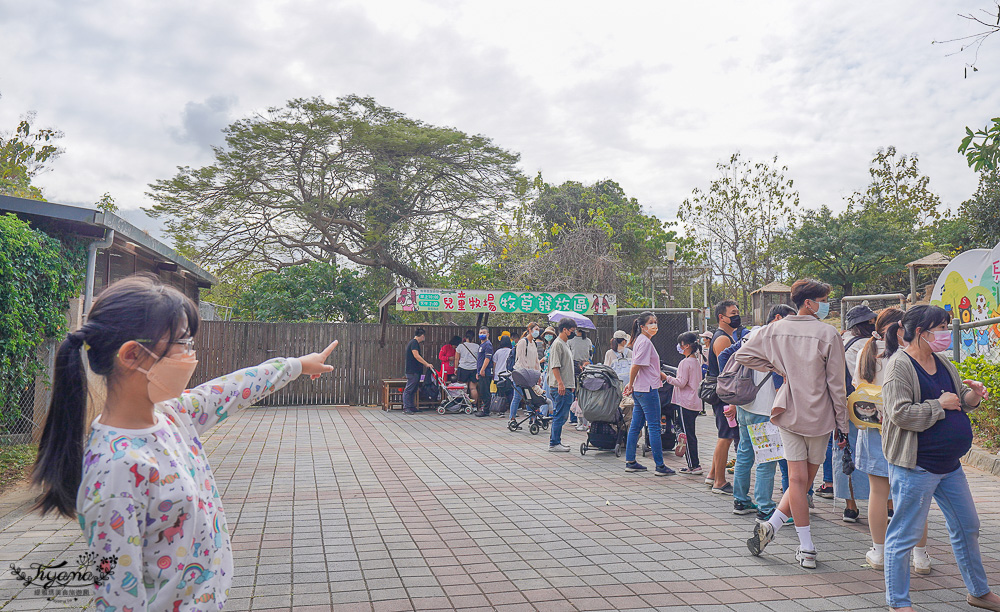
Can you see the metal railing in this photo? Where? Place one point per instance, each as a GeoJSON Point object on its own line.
{"type": "Point", "coordinates": [868, 298]}
{"type": "Point", "coordinates": [957, 327]}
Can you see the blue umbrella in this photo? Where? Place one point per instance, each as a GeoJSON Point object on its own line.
{"type": "Point", "coordinates": [581, 321]}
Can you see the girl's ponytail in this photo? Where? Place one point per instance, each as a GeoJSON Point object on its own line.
{"type": "Point", "coordinates": [891, 340]}
{"type": "Point", "coordinates": [59, 465]}
{"type": "Point", "coordinates": [867, 360]}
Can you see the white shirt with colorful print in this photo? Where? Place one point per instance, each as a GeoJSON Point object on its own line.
{"type": "Point", "coordinates": [148, 497]}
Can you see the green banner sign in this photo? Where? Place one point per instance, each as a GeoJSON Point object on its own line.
{"type": "Point", "coordinates": [521, 302]}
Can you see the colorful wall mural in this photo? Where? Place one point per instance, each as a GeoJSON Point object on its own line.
{"type": "Point", "coordinates": [970, 288]}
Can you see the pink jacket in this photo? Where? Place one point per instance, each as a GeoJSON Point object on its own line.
{"type": "Point", "coordinates": [686, 384]}
{"type": "Point", "coordinates": [810, 355]}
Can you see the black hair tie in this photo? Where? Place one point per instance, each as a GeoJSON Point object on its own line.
{"type": "Point", "coordinates": [75, 339]}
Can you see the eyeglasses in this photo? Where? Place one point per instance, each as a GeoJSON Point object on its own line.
{"type": "Point", "coordinates": [186, 343]}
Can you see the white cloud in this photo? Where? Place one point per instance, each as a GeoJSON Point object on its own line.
{"type": "Point", "coordinates": [651, 94]}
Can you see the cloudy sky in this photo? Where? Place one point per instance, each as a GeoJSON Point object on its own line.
{"type": "Point", "coordinates": [652, 94]}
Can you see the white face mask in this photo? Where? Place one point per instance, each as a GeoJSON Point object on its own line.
{"type": "Point", "coordinates": [169, 377]}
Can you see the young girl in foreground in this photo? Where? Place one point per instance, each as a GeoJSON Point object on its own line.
{"type": "Point", "coordinates": [147, 494]}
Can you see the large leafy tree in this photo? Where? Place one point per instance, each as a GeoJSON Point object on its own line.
{"type": "Point", "coordinates": [583, 237]}
{"type": "Point", "coordinates": [23, 155]}
{"type": "Point", "coordinates": [737, 220]}
{"type": "Point", "coordinates": [854, 248]}
{"type": "Point", "coordinates": [315, 291]}
{"type": "Point", "coordinates": [350, 180]}
{"type": "Point", "coordinates": [981, 212]}
{"type": "Point", "coordinates": [893, 221]}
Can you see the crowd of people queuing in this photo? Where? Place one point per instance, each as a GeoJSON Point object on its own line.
{"type": "Point", "coordinates": [803, 371]}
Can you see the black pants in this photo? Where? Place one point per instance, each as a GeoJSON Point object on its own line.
{"type": "Point", "coordinates": [484, 393]}
{"type": "Point", "coordinates": [687, 421]}
{"type": "Point", "coordinates": [410, 392]}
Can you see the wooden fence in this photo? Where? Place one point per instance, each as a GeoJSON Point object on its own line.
{"type": "Point", "coordinates": [360, 363]}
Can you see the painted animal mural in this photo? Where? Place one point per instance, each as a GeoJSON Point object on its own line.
{"type": "Point", "coordinates": [970, 289]}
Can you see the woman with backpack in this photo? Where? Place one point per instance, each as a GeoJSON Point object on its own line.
{"type": "Point", "coordinates": [525, 358]}
{"type": "Point", "coordinates": [868, 457]}
{"type": "Point", "coordinates": [686, 396]}
{"type": "Point", "coordinates": [142, 476]}
{"type": "Point", "coordinates": [468, 352]}
{"type": "Point", "coordinates": [925, 433]}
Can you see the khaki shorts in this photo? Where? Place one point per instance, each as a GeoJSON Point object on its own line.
{"type": "Point", "coordinates": [804, 448]}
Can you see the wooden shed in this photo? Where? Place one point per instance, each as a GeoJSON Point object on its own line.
{"type": "Point", "coordinates": [769, 295]}
{"type": "Point", "coordinates": [934, 260]}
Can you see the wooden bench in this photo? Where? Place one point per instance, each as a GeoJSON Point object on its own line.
{"type": "Point", "coordinates": [392, 395]}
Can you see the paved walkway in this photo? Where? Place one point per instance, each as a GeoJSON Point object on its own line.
{"type": "Point", "coordinates": [358, 509]}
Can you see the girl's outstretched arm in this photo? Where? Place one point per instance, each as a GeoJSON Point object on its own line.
{"type": "Point", "coordinates": [210, 403]}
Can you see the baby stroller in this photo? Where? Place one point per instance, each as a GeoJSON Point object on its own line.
{"type": "Point", "coordinates": [500, 402]}
{"type": "Point", "coordinates": [600, 396]}
{"type": "Point", "coordinates": [454, 399]}
{"type": "Point", "coordinates": [669, 425]}
{"type": "Point", "coordinates": [532, 400]}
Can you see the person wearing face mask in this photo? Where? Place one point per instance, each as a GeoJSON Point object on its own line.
{"type": "Point", "coordinates": [727, 313]}
{"type": "Point", "coordinates": [484, 371]}
{"type": "Point", "coordinates": [925, 432]}
{"type": "Point", "coordinates": [548, 337]}
{"type": "Point", "coordinates": [685, 395]}
{"type": "Point", "coordinates": [142, 476]}
{"type": "Point", "coordinates": [619, 356]}
{"type": "Point", "coordinates": [811, 403]}
{"type": "Point", "coordinates": [869, 458]}
{"type": "Point", "coordinates": [645, 378]}
{"type": "Point", "coordinates": [525, 358]}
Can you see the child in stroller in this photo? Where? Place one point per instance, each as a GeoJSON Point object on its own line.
{"type": "Point", "coordinates": [534, 399]}
{"type": "Point", "coordinates": [454, 399]}
{"type": "Point", "coordinates": [600, 395]}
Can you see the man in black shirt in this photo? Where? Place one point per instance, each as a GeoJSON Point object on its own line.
{"type": "Point", "coordinates": [415, 365]}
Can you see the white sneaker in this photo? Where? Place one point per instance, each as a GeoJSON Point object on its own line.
{"type": "Point", "coordinates": [581, 428]}
{"type": "Point", "coordinates": [559, 448]}
{"type": "Point", "coordinates": [875, 559]}
{"type": "Point", "coordinates": [922, 564]}
{"type": "Point", "coordinates": [806, 558]}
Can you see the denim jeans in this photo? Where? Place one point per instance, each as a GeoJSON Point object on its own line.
{"type": "Point", "coordinates": [828, 463]}
{"type": "Point", "coordinates": [745, 460]}
{"type": "Point", "coordinates": [646, 412]}
{"type": "Point", "coordinates": [515, 402]}
{"type": "Point", "coordinates": [562, 404]}
{"type": "Point", "coordinates": [912, 491]}
{"type": "Point", "coordinates": [410, 391]}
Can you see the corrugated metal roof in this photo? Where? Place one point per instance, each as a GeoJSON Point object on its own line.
{"type": "Point", "coordinates": [91, 223]}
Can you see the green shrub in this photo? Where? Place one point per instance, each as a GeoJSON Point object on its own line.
{"type": "Point", "coordinates": [38, 276]}
{"type": "Point", "coordinates": [986, 418]}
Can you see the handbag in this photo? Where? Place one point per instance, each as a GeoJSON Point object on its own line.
{"type": "Point", "coordinates": [707, 390]}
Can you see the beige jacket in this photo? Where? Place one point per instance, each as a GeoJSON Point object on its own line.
{"type": "Point", "coordinates": [526, 355]}
{"type": "Point", "coordinates": [809, 354]}
{"type": "Point", "coordinates": [905, 415]}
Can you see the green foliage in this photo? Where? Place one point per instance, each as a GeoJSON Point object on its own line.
{"type": "Point", "coordinates": [318, 181]}
{"type": "Point", "coordinates": [981, 213]}
{"type": "Point", "coordinates": [982, 147]}
{"type": "Point", "coordinates": [852, 249]}
{"type": "Point", "coordinates": [738, 220]}
{"type": "Point", "coordinates": [15, 464]}
{"type": "Point", "coordinates": [895, 220]}
{"type": "Point", "coordinates": [106, 203]}
{"type": "Point", "coordinates": [986, 418]}
{"type": "Point", "coordinates": [23, 155]}
{"type": "Point", "coordinates": [39, 274]}
{"type": "Point", "coordinates": [315, 291]}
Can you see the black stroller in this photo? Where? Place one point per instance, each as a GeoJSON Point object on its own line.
{"type": "Point", "coordinates": [599, 394]}
{"type": "Point", "coordinates": [526, 381]}
{"type": "Point", "coordinates": [669, 417]}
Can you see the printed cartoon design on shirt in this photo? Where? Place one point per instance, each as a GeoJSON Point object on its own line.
{"type": "Point", "coordinates": [149, 498]}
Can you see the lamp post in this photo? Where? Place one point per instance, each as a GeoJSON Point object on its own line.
{"type": "Point", "coordinates": [671, 248]}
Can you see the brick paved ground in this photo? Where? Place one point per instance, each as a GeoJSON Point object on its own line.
{"type": "Point", "coordinates": [360, 509]}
